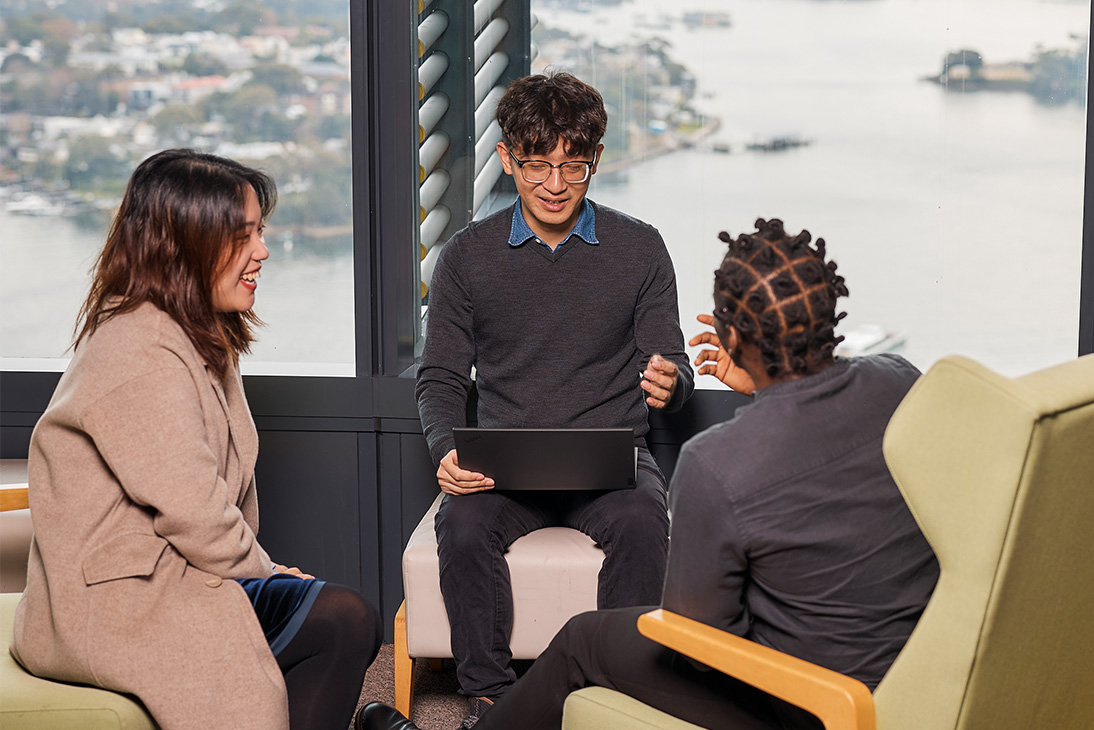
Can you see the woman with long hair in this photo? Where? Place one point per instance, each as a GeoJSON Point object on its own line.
{"type": "Point", "coordinates": [145, 574]}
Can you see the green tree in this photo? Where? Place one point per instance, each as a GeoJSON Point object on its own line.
{"type": "Point", "coordinates": [93, 164]}
{"type": "Point", "coordinates": [965, 57]}
{"type": "Point", "coordinates": [204, 64]}
{"type": "Point", "coordinates": [1059, 76]}
{"type": "Point", "coordinates": [24, 29]}
{"type": "Point", "coordinates": [174, 123]}
{"type": "Point", "coordinates": [243, 16]}
{"type": "Point", "coordinates": [241, 107]}
{"type": "Point", "coordinates": [55, 52]}
{"type": "Point", "coordinates": [283, 79]}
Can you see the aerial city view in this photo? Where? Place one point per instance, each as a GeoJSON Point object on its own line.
{"type": "Point", "coordinates": [696, 96]}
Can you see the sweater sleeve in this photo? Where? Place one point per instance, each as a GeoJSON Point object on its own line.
{"type": "Point", "coordinates": [707, 564]}
{"type": "Point", "coordinates": [444, 374]}
{"type": "Point", "coordinates": [657, 323]}
{"type": "Point", "coordinates": [153, 436]}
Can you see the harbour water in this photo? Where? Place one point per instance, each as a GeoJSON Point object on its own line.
{"type": "Point", "coordinates": [956, 217]}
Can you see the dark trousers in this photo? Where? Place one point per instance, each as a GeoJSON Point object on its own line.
{"type": "Point", "coordinates": [473, 531]}
{"type": "Point", "coordinates": [604, 648]}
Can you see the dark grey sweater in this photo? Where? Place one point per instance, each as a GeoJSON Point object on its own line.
{"type": "Point", "coordinates": [556, 339]}
{"type": "Point", "coordinates": [787, 528]}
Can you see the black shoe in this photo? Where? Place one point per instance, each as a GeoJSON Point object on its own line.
{"type": "Point", "coordinates": [476, 708]}
{"type": "Point", "coordinates": [375, 716]}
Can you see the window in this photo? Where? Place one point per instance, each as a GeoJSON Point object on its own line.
{"type": "Point", "coordinates": [936, 145]}
{"type": "Point", "coordinates": [89, 91]}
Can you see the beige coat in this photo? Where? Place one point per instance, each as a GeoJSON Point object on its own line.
{"type": "Point", "coordinates": [143, 502]}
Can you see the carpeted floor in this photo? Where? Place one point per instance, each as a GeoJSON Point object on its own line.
{"type": "Point", "coordinates": [436, 706]}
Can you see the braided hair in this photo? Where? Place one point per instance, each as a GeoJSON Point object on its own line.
{"type": "Point", "coordinates": [780, 294]}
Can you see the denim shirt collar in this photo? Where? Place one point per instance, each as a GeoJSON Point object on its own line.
{"type": "Point", "coordinates": [585, 228]}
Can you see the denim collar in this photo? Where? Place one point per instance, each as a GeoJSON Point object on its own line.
{"type": "Point", "coordinates": [585, 228]}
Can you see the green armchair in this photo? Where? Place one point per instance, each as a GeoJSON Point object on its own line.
{"type": "Point", "coordinates": [31, 703]}
{"type": "Point", "coordinates": [999, 473]}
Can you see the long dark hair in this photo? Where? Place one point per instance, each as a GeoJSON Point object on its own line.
{"type": "Point", "coordinates": [179, 223]}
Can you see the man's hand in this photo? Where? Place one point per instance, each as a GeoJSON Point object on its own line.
{"type": "Point", "coordinates": [659, 381]}
{"type": "Point", "coordinates": [454, 480]}
{"type": "Point", "coordinates": [718, 362]}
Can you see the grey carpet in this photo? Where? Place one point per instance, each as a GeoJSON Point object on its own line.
{"type": "Point", "coordinates": [436, 706]}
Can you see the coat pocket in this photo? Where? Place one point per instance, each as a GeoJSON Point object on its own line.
{"type": "Point", "coordinates": [125, 556]}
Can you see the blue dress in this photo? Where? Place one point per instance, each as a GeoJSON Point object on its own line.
{"type": "Point", "coordinates": [281, 602]}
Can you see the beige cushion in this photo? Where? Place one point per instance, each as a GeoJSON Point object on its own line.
{"type": "Point", "coordinates": [596, 708]}
{"type": "Point", "coordinates": [554, 575]}
{"type": "Point", "coordinates": [28, 702]}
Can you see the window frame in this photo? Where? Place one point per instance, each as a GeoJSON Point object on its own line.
{"type": "Point", "coordinates": [386, 276]}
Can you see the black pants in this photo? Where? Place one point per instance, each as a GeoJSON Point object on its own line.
{"type": "Point", "coordinates": [604, 648]}
{"type": "Point", "coordinates": [473, 531]}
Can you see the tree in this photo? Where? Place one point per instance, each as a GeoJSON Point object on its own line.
{"type": "Point", "coordinates": [93, 165]}
{"type": "Point", "coordinates": [204, 64]}
{"type": "Point", "coordinates": [285, 80]}
{"type": "Point", "coordinates": [965, 57]}
{"type": "Point", "coordinates": [174, 122]}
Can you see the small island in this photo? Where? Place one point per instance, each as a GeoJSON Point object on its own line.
{"type": "Point", "coordinates": [1054, 76]}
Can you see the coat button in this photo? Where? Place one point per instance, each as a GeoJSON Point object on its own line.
{"type": "Point", "coordinates": [213, 582]}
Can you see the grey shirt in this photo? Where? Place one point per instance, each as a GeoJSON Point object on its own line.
{"type": "Point", "coordinates": [787, 528]}
{"type": "Point", "coordinates": [557, 338]}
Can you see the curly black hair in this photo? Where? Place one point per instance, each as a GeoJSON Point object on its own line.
{"type": "Point", "coordinates": [780, 294]}
{"type": "Point", "coordinates": [537, 111]}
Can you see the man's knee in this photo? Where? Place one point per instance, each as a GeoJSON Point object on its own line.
{"type": "Point", "coordinates": [643, 514]}
{"type": "Point", "coordinates": [463, 524]}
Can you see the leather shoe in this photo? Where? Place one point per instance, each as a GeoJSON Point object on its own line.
{"type": "Point", "coordinates": [375, 716]}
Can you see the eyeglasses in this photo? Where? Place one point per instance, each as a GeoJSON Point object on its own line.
{"type": "Point", "coordinates": [538, 171]}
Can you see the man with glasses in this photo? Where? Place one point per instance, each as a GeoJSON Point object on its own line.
{"type": "Point", "coordinates": [567, 311]}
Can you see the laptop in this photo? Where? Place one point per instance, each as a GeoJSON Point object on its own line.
{"type": "Point", "coordinates": [550, 458]}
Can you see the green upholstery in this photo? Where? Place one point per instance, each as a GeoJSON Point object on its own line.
{"type": "Point", "coordinates": [999, 473]}
{"type": "Point", "coordinates": [596, 707]}
{"type": "Point", "coordinates": [30, 703]}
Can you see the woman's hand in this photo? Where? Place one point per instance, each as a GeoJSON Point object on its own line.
{"type": "Point", "coordinates": [278, 568]}
{"type": "Point", "coordinates": [718, 362]}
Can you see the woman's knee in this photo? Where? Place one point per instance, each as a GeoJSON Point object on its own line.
{"type": "Point", "coordinates": [353, 622]}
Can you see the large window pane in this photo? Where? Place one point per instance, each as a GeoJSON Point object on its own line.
{"type": "Point", "coordinates": [953, 204]}
{"type": "Point", "coordinates": [89, 90]}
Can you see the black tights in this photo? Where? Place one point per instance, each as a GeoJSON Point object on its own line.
{"type": "Point", "coordinates": [324, 664]}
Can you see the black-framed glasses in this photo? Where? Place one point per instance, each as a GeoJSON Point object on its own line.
{"type": "Point", "coordinates": [538, 171]}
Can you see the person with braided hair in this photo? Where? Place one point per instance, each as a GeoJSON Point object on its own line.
{"type": "Point", "coordinates": [779, 294]}
{"type": "Point", "coordinates": [786, 527]}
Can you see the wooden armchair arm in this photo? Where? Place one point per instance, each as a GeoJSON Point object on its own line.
{"type": "Point", "coordinates": [13, 496]}
{"type": "Point", "coordinates": [841, 702]}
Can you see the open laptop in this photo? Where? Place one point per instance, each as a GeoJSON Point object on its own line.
{"type": "Point", "coordinates": [550, 458]}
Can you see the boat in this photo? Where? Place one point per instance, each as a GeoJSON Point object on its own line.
{"type": "Point", "coordinates": [777, 144]}
{"type": "Point", "coordinates": [869, 339]}
{"type": "Point", "coordinates": [34, 204]}
{"type": "Point", "coordinates": [706, 19]}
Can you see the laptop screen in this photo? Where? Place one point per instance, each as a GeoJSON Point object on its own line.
{"type": "Point", "coordinates": [550, 458]}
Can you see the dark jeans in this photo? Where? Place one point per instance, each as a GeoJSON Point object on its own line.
{"type": "Point", "coordinates": [604, 648]}
{"type": "Point", "coordinates": [473, 531]}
